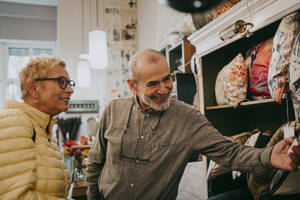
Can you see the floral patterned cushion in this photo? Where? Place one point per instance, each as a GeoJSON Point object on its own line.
{"type": "Point", "coordinates": [280, 60]}
{"type": "Point", "coordinates": [294, 76]}
{"type": "Point", "coordinates": [231, 83]}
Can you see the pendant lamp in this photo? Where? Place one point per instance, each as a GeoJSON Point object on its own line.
{"type": "Point", "coordinates": [97, 50]}
{"type": "Point", "coordinates": [97, 56]}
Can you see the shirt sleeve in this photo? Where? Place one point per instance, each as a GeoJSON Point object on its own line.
{"type": "Point", "coordinates": [210, 142]}
{"type": "Point", "coordinates": [96, 160]}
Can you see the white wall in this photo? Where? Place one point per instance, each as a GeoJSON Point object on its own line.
{"type": "Point", "coordinates": [72, 43]}
{"type": "Point", "coordinates": [70, 34]}
{"type": "Point", "coordinates": [171, 20]}
{"type": "Point", "coordinates": [34, 2]}
{"type": "Point", "coordinates": [27, 22]}
{"type": "Point", "coordinates": [147, 15]}
{"type": "Point", "coordinates": [156, 21]}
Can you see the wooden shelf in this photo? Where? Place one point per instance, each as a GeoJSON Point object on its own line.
{"type": "Point", "coordinates": [249, 103]}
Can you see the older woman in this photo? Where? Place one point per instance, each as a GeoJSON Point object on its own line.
{"type": "Point", "coordinates": [31, 164]}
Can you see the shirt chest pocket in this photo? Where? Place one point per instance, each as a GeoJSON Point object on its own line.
{"type": "Point", "coordinates": [168, 147]}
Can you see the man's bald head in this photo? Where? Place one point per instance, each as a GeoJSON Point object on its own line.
{"type": "Point", "coordinates": [141, 58]}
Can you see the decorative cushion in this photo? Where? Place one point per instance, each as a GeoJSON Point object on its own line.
{"type": "Point", "coordinates": [260, 57]}
{"type": "Point", "coordinates": [280, 60]}
{"type": "Point", "coordinates": [251, 56]}
{"type": "Point", "coordinates": [203, 18]}
{"type": "Point", "coordinates": [294, 76]}
{"type": "Point", "coordinates": [231, 83]}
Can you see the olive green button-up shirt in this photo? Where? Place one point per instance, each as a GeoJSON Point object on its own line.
{"type": "Point", "coordinates": [142, 155]}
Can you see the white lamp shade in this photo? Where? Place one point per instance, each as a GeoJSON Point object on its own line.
{"type": "Point", "coordinates": [98, 49]}
{"type": "Point", "coordinates": [83, 74]}
{"type": "Point", "coordinates": [84, 56]}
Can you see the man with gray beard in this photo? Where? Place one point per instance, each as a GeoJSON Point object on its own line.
{"type": "Point", "coordinates": [144, 142]}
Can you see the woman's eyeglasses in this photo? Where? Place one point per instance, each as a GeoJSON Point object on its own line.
{"type": "Point", "coordinates": [62, 81]}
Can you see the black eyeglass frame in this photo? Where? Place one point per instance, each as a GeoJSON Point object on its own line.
{"type": "Point", "coordinates": [59, 80]}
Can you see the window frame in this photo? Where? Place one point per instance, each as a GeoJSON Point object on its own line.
{"type": "Point", "coordinates": [5, 44]}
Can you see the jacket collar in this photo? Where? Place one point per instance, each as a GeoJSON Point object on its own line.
{"type": "Point", "coordinates": [41, 118]}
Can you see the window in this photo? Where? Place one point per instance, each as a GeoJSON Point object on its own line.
{"type": "Point", "coordinates": [17, 59]}
{"type": "Point", "coordinates": [15, 56]}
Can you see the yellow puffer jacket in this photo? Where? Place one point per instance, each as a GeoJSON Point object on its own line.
{"type": "Point", "coordinates": [31, 164]}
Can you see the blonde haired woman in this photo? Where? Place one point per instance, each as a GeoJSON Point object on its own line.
{"type": "Point", "coordinates": [31, 164]}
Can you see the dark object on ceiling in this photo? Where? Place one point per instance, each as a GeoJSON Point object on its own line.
{"type": "Point", "coordinates": [191, 6]}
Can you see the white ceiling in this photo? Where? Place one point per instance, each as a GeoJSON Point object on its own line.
{"type": "Point", "coordinates": [34, 2]}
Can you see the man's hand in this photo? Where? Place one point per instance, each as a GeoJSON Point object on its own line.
{"type": "Point", "coordinates": [284, 159]}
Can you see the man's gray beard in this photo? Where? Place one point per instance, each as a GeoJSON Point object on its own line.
{"type": "Point", "coordinates": [155, 106]}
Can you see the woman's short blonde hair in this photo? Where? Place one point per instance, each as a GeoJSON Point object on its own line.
{"type": "Point", "coordinates": [37, 68]}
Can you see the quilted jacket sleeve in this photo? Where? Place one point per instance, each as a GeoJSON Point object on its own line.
{"type": "Point", "coordinates": [17, 158]}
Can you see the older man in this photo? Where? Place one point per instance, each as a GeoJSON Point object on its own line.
{"type": "Point", "coordinates": [145, 142]}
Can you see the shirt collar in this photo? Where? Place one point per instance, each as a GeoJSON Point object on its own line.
{"type": "Point", "coordinates": [38, 116]}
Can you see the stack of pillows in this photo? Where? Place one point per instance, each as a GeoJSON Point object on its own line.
{"type": "Point", "coordinates": [266, 67]}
